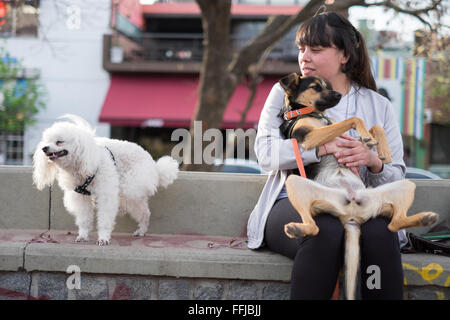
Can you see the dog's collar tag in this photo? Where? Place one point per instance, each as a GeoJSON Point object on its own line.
{"type": "Point", "coordinates": [296, 113]}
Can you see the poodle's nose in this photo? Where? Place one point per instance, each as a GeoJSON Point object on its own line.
{"type": "Point", "coordinates": [45, 149]}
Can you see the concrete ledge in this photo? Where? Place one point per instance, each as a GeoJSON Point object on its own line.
{"type": "Point", "coordinates": [197, 203]}
{"type": "Point", "coordinates": [197, 235]}
{"type": "Point", "coordinates": [12, 255]}
{"type": "Point", "coordinates": [154, 254]}
{"type": "Point", "coordinates": [185, 207]}
{"type": "Point", "coordinates": [218, 263]}
{"type": "Point", "coordinates": [421, 269]}
{"type": "Point", "coordinates": [176, 256]}
{"type": "Point", "coordinates": [223, 263]}
{"type": "Point", "coordinates": [22, 206]}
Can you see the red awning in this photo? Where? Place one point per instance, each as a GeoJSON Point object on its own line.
{"type": "Point", "coordinates": [191, 8]}
{"type": "Point", "coordinates": [169, 101]}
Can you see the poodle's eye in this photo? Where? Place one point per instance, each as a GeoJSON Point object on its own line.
{"type": "Point", "coordinates": [59, 142]}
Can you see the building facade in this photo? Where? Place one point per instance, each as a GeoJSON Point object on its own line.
{"type": "Point", "coordinates": [64, 47]}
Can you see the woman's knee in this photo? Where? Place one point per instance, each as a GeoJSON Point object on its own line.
{"type": "Point", "coordinates": [376, 231]}
{"type": "Point", "coordinates": [331, 231]}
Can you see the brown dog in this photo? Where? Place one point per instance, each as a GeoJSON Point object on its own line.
{"type": "Point", "coordinates": [335, 189]}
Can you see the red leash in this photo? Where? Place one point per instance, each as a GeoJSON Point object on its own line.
{"type": "Point", "coordinates": [288, 116]}
{"type": "Point", "coordinates": [298, 158]}
{"type": "Point", "coordinates": [301, 168]}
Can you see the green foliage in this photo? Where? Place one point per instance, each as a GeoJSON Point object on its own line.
{"type": "Point", "coordinates": [20, 98]}
{"type": "Point", "coordinates": [440, 87]}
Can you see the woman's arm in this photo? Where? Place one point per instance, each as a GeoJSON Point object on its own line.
{"type": "Point", "coordinates": [374, 172]}
{"type": "Point", "coordinates": [395, 170]}
{"type": "Point", "coordinates": [273, 150]}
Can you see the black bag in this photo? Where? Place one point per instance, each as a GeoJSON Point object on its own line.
{"type": "Point", "coordinates": [436, 241]}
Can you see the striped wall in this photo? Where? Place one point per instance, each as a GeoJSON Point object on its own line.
{"type": "Point", "coordinates": [407, 74]}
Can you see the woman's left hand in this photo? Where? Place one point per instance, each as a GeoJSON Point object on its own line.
{"type": "Point", "coordinates": [357, 155]}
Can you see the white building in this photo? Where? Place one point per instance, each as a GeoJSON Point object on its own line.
{"type": "Point", "coordinates": [67, 53]}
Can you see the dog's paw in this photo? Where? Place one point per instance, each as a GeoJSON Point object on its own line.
{"type": "Point", "coordinates": [292, 230]}
{"type": "Point", "coordinates": [429, 218]}
{"type": "Point", "coordinates": [102, 242]}
{"type": "Point", "coordinates": [81, 238]}
{"type": "Point", "coordinates": [138, 233]}
{"type": "Point", "coordinates": [297, 230]}
{"type": "Point", "coordinates": [369, 142]}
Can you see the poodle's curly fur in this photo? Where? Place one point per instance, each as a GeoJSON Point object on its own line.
{"type": "Point", "coordinates": [125, 176]}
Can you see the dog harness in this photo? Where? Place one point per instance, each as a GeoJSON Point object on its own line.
{"type": "Point", "coordinates": [82, 189]}
{"type": "Point", "coordinates": [302, 112]}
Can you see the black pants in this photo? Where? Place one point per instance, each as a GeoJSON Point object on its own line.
{"type": "Point", "coordinates": [318, 259]}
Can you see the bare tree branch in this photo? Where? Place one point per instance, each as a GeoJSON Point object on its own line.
{"type": "Point", "coordinates": [278, 26]}
{"type": "Point", "coordinates": [255, 79]}
{"type": "Point", "coordinates": [392, 5]}
{"type": "Point", "coordinates": [415, 13]}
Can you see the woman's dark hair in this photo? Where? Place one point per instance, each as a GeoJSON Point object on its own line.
{"type": "Point", "coordinates": [331, 28]}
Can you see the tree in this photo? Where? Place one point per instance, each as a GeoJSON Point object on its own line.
{"type": "Point", "coordinates": [222, 69]}
{"type": "Point", "coordinates": [434, 49]}
{"type": "Point", "coordinates": [21, 98]}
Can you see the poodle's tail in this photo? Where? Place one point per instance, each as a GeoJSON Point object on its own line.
{"type": "Point", "coordinates": [167, 170]}
{"type": "Point", "coordinates": [80, 122]}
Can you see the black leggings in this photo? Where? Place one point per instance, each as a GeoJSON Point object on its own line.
{"type": "Point", "coordinates": [318, 259]}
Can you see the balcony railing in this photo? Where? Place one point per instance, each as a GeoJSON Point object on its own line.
{"type": "Point", "coordinates": [179, 53]}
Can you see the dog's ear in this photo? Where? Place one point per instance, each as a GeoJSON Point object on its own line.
{"type": "Point", "coordinates": [290, 83]}
{"type": "Point", "coordinates": [328, 84]}
{"type": "Point", "coordinates": [44, 171]}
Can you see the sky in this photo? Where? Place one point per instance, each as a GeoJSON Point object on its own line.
{"type": "Point", "coordinates": [404, 24]}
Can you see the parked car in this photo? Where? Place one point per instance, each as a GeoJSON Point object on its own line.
{"type": "Point", "coordinates": [230, 165]}
{"type": "Point", "coordinates": [416, 173]}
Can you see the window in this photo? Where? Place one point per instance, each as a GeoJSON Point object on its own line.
{"type": "Point", "coordinates": [439, 146]}
{"type": "Point", "coordinates": [19, 18]}
{"type": "Point", "coordinates": [11, 147]}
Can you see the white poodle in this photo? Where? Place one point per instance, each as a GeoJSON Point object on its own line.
{"type": "Point", "coordinates": [99, 175]}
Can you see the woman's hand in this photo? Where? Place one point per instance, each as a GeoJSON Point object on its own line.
{"type": "Point", "coordinates": [334, 147]}
{"type": "Point", "coordinates": [354, 154]}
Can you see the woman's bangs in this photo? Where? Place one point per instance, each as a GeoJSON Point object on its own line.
{"type": "Point", "coordinates": [313, 33]}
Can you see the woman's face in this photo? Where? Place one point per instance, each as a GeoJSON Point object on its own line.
{"type": "Point", "coordinates": [320, 61]}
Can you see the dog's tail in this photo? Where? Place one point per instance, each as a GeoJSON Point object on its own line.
{"type": "Point", "coordinates": [352, 233]}
{"type": "Point", "coordinates": [167, 170]}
